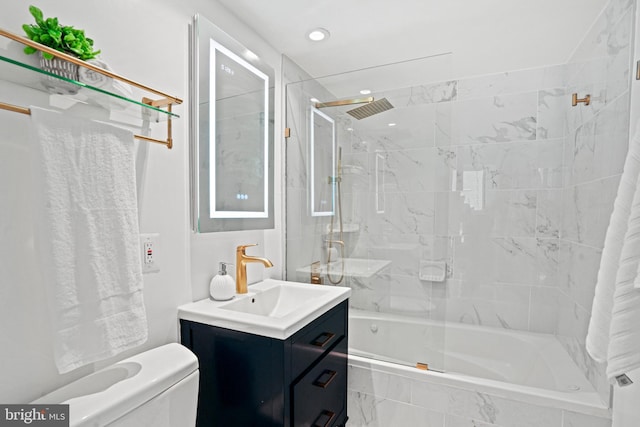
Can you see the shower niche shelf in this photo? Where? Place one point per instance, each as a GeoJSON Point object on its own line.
{"type": "Point", "coordinates": [115, 99]}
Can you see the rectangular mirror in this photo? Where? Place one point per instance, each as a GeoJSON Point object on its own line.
{"type": "Point", "coordinates": [232, 120]}
{"type": "Point", "coordinates": [322, 163]}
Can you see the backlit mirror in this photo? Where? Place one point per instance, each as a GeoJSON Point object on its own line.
{"type": "Point", "coordinates": [232, 133]}
{"type": "Point", "coordinates": [322, 163]}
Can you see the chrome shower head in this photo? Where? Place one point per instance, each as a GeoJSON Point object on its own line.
{"type": "Point", "coordinates": [370, 109]}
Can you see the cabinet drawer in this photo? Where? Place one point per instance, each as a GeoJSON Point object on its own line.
{"type": "Point", "coordinates": [316, 339]}
{"type": "Point", "coordinates": [319, 398]}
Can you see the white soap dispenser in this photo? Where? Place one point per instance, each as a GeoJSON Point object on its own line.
{"type": "Point", "coordinates": [222, 286]}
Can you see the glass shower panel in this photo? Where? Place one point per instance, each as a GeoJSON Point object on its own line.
{"type": "Point", "coordinates": [387, 236]}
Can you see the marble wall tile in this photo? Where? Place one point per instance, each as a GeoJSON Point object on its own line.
{"type": "Point", "coordinates": [552, 110]}
{"type": "Point", "coordinates": [594, 44]}
{"type": "Point", "coordinates": [612, 137]}
{"type": "Point", "coordinates": [502, 118]}
{"type": "Point", "coordinates": [434, 93]}
{"type": "Point", "coordinates": [587, 211]}
{"type": "Point", "coordinates": [370, 411]}
{"type": "Point", "coordinates": [521, 260]}
{"type": "Point", "coordinates": [407, 213]}
{"type": "Point", "coordinates": [583, 147]}
{"type": "Point", "coordinates": [379, 384]}
{"type": "Point", "coordinates": [599, 146]}
{"type": "Point", "coordinates": [496, 314]}
{"type": "Point", "coordinates": [579, 265]}
{"type": "Point", "coordinates": [511, 82]}
{"type": "Point", "coordinates": [544, 308]}
{"type": "Point", "coordinates": [384, 399]}
{"type": "Point", "coordinates": [443, 132]}
{"type": "Point", "coordinates": [454, 421]}
{"type": "Point", "coordinates": [481, 303]}
{"type": "Point", "coordinates": [574, 419]}
{"type": "Point", "coordinates": [413, 127]}
{"type": "Point", "coordinates": [549, 213]}
{"type": "Point", "coordinates": [573, 320]}
{"type": "Point", "coordinates": [589, 79]}
{"type": "Point", "coordinates": [430, 93]}
{"type": "Point", "coordinates": [505, 213]}
{"type": "Point", "coordinates": [427, 169]}
{"type": "Point", "coordinates": [405, 251]}
{"type": "Point", "coordinates": [510, 166]}
{"type": "Point", "coordinates": [617, 8]}
{"type": "Point", "coordinates": [371, 294]}
{"type": "Point", "coordinates": [497, 410]}
{"type": "Point", "coordinates": [594, 372]}
{"type": "Point", "coordinates": [619, 49]}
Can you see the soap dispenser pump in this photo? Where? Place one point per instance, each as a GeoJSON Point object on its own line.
{"type": "Point", "coordinates": [222, 286]}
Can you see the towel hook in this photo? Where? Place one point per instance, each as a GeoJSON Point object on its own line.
{"type": "Point", "coordinates": [575, 100]}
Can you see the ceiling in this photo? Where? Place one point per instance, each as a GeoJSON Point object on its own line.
{"type": "Point", "coordinates": [484, 36]}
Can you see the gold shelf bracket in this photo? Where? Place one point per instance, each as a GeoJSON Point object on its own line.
{"type": "Point", "coordinates": [159, 104]}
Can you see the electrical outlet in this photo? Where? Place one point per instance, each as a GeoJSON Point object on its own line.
{"type": "Point", "coordinates": [150, 246]}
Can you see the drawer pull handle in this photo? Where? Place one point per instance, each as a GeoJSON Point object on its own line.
{"type": "Point", "coordinates": [325, 378]}
{"type": "Point", "coordinates": [324, 419]}
{"type": "Point", "coordinates": [323, 339]}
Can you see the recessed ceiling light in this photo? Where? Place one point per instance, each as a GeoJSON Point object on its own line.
{"type": "Point", "coordinates": [365, 91]}
{"type": "Point", "coordinates": [314, 100]}
{"type": "Point", "coordinates": [318, 34]}
{"type": "Point", "coordinates": [392, 124]}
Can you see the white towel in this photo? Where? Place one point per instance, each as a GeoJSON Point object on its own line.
{"type": "Point", "coordinates": [614, 335]}
{"type": "Point", "coordinates": [95, 79]}
{"type": "Point", "coordinates": [89, 237]}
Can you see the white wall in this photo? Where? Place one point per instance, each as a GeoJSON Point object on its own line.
{"type": "Point", "coordinates": [146, 41]}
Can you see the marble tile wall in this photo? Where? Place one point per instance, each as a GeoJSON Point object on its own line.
{"type": "Point", "coordinates": [499, 236]}
{"type": "Point", "coordinates": [595, 150]}
{"type": "Point", "coordinates": [382, 399]}
{"type": "Point", "coordinates": [496, 175]}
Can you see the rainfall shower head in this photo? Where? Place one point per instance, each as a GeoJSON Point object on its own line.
{"type": "Point", "coordinates": [370, 109]}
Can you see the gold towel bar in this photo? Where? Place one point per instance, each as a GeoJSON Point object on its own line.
{"type": "Point", "coordinates": [167, 100]}
{"type": "Point", "coordinates": [23, 110]}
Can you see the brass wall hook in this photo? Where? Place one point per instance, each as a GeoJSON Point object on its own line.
{"type": "Point", "coordinates": [575, 100]}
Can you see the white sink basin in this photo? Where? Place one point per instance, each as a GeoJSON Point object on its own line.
{"type": "Point", "coordinates": [272, 308]}
{"type": "Point", "coordinates": [277, 301]}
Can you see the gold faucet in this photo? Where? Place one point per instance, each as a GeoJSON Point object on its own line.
{"type": "Point", "coordinates": [242, 259]}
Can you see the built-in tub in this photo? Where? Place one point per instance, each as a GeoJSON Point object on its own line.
{"type": "Point", "coordinates": [512, 365]}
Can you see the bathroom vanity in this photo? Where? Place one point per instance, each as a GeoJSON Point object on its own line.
{"type": "Point", "coordinates": [248, 378]}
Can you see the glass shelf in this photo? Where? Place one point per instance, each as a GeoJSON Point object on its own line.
{"type": "Point", "coordinates": [114, 96]}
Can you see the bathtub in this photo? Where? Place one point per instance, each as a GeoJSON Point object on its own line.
{"type": "Point", "coordinates": [506, 365]}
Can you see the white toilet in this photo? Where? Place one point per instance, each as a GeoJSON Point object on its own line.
{"type": "Point", "coordinates": [156, 388]}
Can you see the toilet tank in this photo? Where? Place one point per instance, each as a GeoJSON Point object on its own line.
{"type": "Point", "coordinates": [156, 388]}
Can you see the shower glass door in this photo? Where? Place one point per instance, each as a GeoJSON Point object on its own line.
{"type": "Point", "coordinates": [368, 185]}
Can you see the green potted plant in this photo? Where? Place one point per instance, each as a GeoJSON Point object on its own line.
{"type": "Point", "coordinates": [65, 39]}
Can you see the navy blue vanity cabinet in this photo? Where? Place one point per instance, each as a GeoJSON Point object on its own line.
{"type": "Point", "coordinates": [250, 380]}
